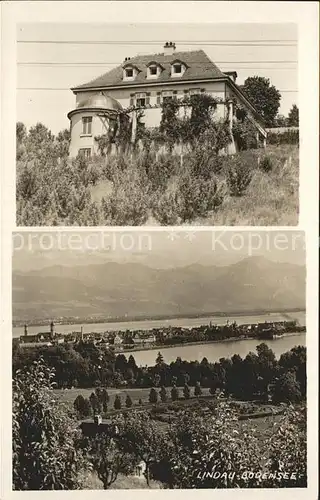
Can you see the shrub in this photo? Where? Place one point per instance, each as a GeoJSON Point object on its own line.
{"type": "Point", "coordinates": [128, 204]}
{"type": "Point", "coordinates": [198, 196]}
{"type": "Point", "coordinates": [117, 402]}
{"type": "Point", "coordinates": [160, 170]}
{"type": "Point", "coordinates": [166, 208]}
{"type": "Point", "coordinates": [153, 396]}
{"type": "Point", "coordinates": [186, 391]}
{"type": "Point", "coordinates": [287, 137]}
{"type": "Point", "coordinates": [239, 176]}
{"type": "Point", "coordinates": [128, 401]}
{"type": "Point", "coordinates": [266, 164]}
{"type": "Point", "coordinates": [174, 393]}
{"type": "Point", "coordinates": [244, 134]}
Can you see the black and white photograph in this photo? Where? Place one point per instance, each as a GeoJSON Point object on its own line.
{"type": "Point", "coordinates": [157, 124]}
{"type": "Point", "coordinates": [159, 249]}
{"type": "Point", "coordinates": [152, 360]}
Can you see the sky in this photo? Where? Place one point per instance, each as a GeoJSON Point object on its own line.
{"type": "Point", "coordinates": [157, 249]}
{"type": "Point", "coordinates": [50, 62]}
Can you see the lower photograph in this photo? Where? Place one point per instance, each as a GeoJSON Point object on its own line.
{"type": "Point", "coordinates": [161, 359]}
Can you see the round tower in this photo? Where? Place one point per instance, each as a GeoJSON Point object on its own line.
{"type": "Point", "coordinates": [94, 116]}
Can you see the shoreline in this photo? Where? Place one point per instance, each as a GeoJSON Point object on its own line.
{"type": "Point", "coordinates": [213, 315]}
{"type": "Point", "coordinates": [204, 342]}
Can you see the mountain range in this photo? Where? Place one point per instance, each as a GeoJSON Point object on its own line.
{"type": "Point", "coordinates": [114, 290]}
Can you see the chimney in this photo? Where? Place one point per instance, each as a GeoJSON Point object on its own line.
{"type": "Point", "coordinates": [169, 48]}
{"type": "Point", "coordinates": [25, 330]}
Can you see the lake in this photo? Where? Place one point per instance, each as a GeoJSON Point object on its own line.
{"type": "Point", "coordinates": [178, 322]}
{"type": "Point", "coordinates": [215, 351]}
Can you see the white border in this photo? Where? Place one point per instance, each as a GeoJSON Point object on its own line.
{"type": "Point", "coordinates": [306, 15]}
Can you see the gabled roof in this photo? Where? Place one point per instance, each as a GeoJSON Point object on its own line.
{"type": "Point", "coordinates": [199, 66]}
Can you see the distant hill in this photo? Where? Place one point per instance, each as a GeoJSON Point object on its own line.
{"type": "Point", "coordinates": [131, 289]}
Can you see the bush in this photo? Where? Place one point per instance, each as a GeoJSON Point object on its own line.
{"type": "Point", "coordinates": [266, 164]}
{"type": "Point", "coordinates": [244, 134]}
{"type": "Point", "coordinates": [128, 204]}
{"type": "Point", "coordinates": [166, 208]}
{"type": "Point", "coordinates": [198, 196]}
{"type": "Point", "coordinates": [239, 176]}
{"type": "Point", "coordinates": [287, 137]}
{"type": "Point", "coordinates": [160, 170]}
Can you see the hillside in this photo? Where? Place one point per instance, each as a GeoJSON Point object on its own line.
{"type": "Point", "coordinates": [116, 290]}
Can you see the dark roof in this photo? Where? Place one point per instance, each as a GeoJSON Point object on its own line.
{"type": "Point", "coordinates": [199, 66]}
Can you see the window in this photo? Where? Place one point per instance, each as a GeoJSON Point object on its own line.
{"type": "Point", "coordinates": [85, 152]}
{"type": "Point", "coordinates": [86, 125]}
{"type": "Point", "coordinates": [153, 70]}
{"type": "Point", "coordinates": [167, 96]}
{"type": "Point", "coordinates": [177, 68]}
{"type": "Point", "coordinates": [141, 100]}
{"type": "Point", "coordinates": [129, 72]}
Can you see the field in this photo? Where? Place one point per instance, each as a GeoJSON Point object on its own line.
{"type": "Point", "coordinates": [69, 395]}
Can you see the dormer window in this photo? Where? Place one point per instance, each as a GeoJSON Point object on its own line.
{"type": "Point", "coordinates": [154, 69]}
{"type": "Point", "coordinates": [130, 72]}
{"type": "Point", "coordinates": [177, 68]}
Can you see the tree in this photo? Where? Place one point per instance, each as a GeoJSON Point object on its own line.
{"type": "Point", "coordinates": [117, 402]}
{"type": "Point", "coordinates": [293, 117]}
{"type": "Point", "coordinates": [287, 388]}
{"type": "Point", "coordinates": [163, 394]}
{"type": "Point", "coordinates": [105, 399]}
{"type": "Point", "coordinates": [40, 144]}
{"type": "Point", "coordinates": [156, 379]}
{"type": "Point", "coordinates": [132, 364]}
{"type": "Point", "coordinates": [153, 396]}
{"type": "Point", "coordinates": [45, 451]}
{"type": "Point", "coordinates": [95, 403]}
{"type": "Point", "coordinates": [86, 412]}
{"type": "Point", "coordinates": [108, 460]}
{"type": "Point", "coordinates": [281, 121]}
{"type": "Point", "coordinates": [287, 449]}
{"type": "Point", "coordinates": [140, 437]}
{"type": "Point", "coordinates": [80, 406]}
{"type": "Point", "coordinates": [264, 96]}
{"type": "Point", "coordinates": [21, 132]}
{"type": "Point", "coordinates": [169, 125]}
{"type": "Point", "coordinates": [197, 389]}
{"type": "Point", "coordinates": [63, 141]}
{"type": "Point", "coordinates": [159, 360]}
{"type": "Point", "coordinates": [128, 401]}
{"type": "Point", "coordinates": [198, 442]}
{"type": "Point", "coordinates": [174, 393]}
{"type": "Point", "coordinates": [186, 391]}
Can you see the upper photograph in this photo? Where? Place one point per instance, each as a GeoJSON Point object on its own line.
{"type": "Point", "coordinates": [157, 125]}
